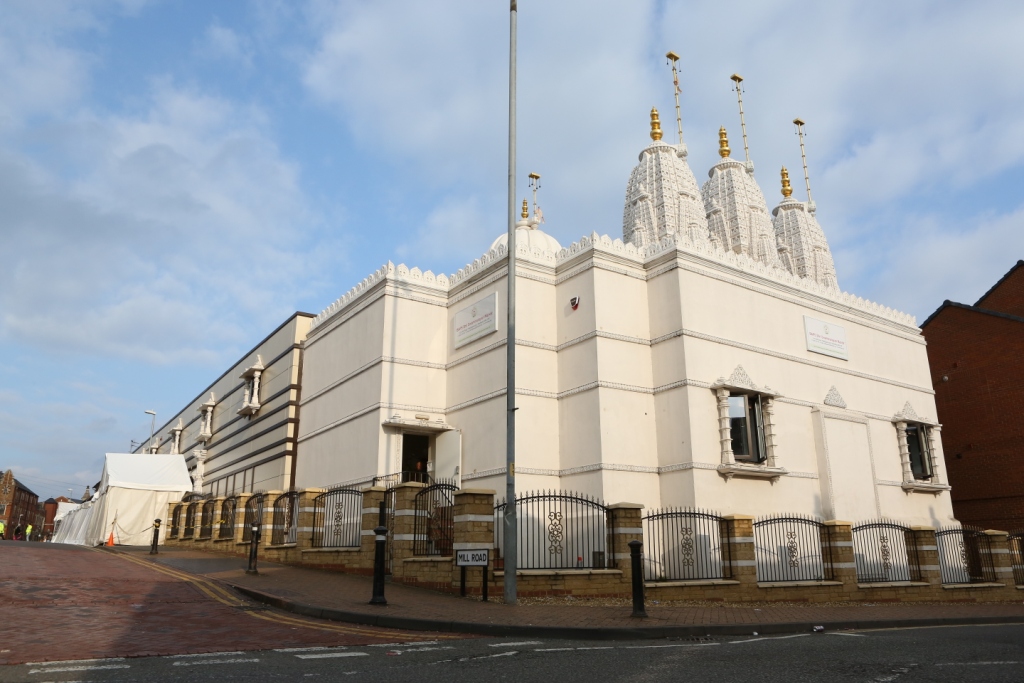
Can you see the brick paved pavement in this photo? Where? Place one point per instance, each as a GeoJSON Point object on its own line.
{"type": "Point", "coordinates": [350, 593]}
{"type": "Point", "coordinates": [63, 602]}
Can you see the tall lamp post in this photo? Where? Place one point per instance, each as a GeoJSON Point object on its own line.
{"type": "Point", "coordinates": [510, 550]}
{"type": "Point", "coordinates": [152, 428]}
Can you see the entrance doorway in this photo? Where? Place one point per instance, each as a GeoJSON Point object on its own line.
{"type": "Point", "coordinates": [415, 455]}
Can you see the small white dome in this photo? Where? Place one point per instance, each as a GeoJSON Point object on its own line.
{"type": "Point", "coordinates": [531, 241]}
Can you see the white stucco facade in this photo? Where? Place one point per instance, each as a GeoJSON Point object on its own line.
{"type": "Point", "coordinates": [631, 356]}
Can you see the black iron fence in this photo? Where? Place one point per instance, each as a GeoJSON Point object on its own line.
{"type": "Point", "coordinates": [226, 524]}
{"type": "Point", "coordinates": [434, 526]}
{"type": "Point", "coordinates": [253, 515]}
{"type": "Point", "coordinates": [338, 518]}
{"type": "Point", "coordinates": [558, 530]}
{"type": "Point", "coordinates": [190, 519]}
{"type": "Point", "coordinates": [684, 544]}
{"type": "Point", "coordinates": [175, 522]}
{"type": "Point", "coordinates": [965, 555]}
{"type": "Point", "coordinates": [285, 520]}
{"type": "Point", "coordinates": [885, 552]}
{"type": "Point", "coordinates": [793, 548]}
{"type": "Point", "coordinates": [1016, 543]}
{"type": "Point", "coordinates": [206, 520]}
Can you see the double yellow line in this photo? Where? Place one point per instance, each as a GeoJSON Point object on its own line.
{"type": "Point", "coordinates": [225, 597]}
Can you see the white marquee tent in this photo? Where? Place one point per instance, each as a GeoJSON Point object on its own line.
{"type": "Point", "coordinates": [134, 490]}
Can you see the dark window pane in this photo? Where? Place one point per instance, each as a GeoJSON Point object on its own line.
{"type": "Point", "coordinates": [757, 427]}
{"type": "Point", "coordinates": [738, 426]}
{"type": "Point", "coordinates": [917, 445]}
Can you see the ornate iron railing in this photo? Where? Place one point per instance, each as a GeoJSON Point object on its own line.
{"type": "Point", "coordinates": [206, 520]}
{"type": "Point", "coordinates": [683, 544]}
{"type": "Point", "coordinates": [793, 548]}
{"type": "Point", "coordinates": [1016, 543]}
{"type": "Point", "coordinates": [434, 525]}
{"type": "Point", "coordinates": [965, 555]}
{"type": "Point", "coordinates": [338, 518]}
{"type": "Point", "coordinates": [390, 481]}
{"type": "Point", "coordinates": [885, 552]}
{"type": "Point", "coordinates": [253, 515]}
{"type": "Point", "coordinates": [175, 522]}
{"type": "Point", "coordinates": [558, 531]}
{"type": "Point", "coordinates": [226, 524]}
{"type": "Point", "coordinates": [190, 519]}
{"type": "Point", "coordinates": [286, 517]}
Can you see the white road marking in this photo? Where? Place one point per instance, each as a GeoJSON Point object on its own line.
{"type": "Point", "coordinates": [974, 663]}
{"type": "Point", "coordinates": [840, 633]}
{"type": "Point", "coordinates": [75, 661]}
{"type": "Point", "coordinates": [80, 668]}
{"type": "Point", "coordinates": [332, 655]}
{"type": "Point", "coordinates": [207, 654]}
{"type": "Point", "coordinates": [754, 640]}
{"type": "Point", "coordinates": [422, 649]}
{"type": "Point", "coordinates": [524, 642]}
{"type": "Point", "coordinates": [500, 654]}
{"type": "Point", "coordinates": [216, 661]}
{"type": "Point", "coordinates": [555, 649]}
{"type": "Point", "coordinates": [896, 673]}
{"type": "Point", "coordinates": [655, 647]}
{"type": "Point", "coordinates": [596, 648]}
{"type": "Point", "coordinates": [309, 649]}
{"type": "Point", "coordinates": [422, 642]}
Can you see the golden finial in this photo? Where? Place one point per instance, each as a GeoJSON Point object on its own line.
{"type": "Point", "coordinates": [787, 191]}
{"type": "Point", "coordinates": [526, 209]}
{"type": "Point", "coordinates": [655, 125]}
{"type": "Point", "coordinates": [723, 143]}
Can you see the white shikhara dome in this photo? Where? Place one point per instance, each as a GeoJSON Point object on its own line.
{"type": "Point", "coordinates": [729, 214]}
{"type": "Point", "coordinates": [737, 214]}
{"type": "Point", "coordinates": [662, 196]}
{"type": "Point", "coordinates": [803, 248]}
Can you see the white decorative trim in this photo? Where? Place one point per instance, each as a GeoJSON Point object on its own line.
{"type": "Point", "coordinates": [832, 398]}
{"type": "Point", "coordinates": [750, 471]}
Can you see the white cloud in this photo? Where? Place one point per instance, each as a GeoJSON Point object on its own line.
{"type": "Point", "coordinates": [221, 42]}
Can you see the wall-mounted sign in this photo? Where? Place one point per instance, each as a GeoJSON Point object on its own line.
{"type": "Point", "coordinates": [826, 338]}
{"type": "Point", "coordinates": [477, 320]}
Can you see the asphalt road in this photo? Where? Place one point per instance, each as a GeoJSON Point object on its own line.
{"type": "Point", "coordinates": [964, 653]}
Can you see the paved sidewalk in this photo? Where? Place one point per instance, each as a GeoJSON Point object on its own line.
{"type": "Point", "coordinates": [61, 602]}
{"type": "Point", "coordinates": [344, 597]}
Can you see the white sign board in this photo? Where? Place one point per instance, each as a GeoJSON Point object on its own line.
{"type": "Point", "coordinates": [826, 338]}
{"type": "Point", "coordinates": [476, 320]}
{"type": "Point", "coordinates": [472, 558]}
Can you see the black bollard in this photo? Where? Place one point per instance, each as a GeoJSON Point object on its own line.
{"type": "Point", "coordinates": [254, 545]}
{"type": "Point", "coordinates": [378, 566]}
{"type": "Point", "coordinates": [156, 537]}
{"type": "Point", "coordinates": [636, 562]}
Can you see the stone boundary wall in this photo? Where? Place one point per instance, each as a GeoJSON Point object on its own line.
{"type": "Point", "coordinates": [474, 529]}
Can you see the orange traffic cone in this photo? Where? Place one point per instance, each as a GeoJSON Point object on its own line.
{"type": "Point", "coordinates": [110, 541]}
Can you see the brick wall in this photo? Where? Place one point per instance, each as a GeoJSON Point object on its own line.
{"type": "Point", "coordinates": [979, 393]}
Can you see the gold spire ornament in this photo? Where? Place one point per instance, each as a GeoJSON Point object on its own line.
{"type": "Point", "coordinates": [526, 210]}
{"type": "Point", "coordinates": [787, 190]}
{"type": "Point", "coordinates": [723, 143]}
{"type": "Point", "coordinates": [655, 125]}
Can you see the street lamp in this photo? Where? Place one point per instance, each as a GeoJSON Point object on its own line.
{"type": "Point", "coordinates": [152, 427]}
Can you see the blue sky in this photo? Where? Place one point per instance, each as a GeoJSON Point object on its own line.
{"type": "Point", "coordinates": [177, 177]}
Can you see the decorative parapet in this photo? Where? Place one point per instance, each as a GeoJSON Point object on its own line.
{"type": "Point", "coordinates": [206, 419]}
{"type": "Point", "coordinates": [389, 271]}
{"type": "Point", "coordinates": [251, 376]}
{"type": "Point", "coordinates": [741, 262]}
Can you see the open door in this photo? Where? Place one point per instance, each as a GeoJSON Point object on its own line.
{"type": "Point", "coordinates": [448, 457]}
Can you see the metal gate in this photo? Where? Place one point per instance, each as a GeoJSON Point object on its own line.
{"type": "Point", "coordinates": [434, 526]}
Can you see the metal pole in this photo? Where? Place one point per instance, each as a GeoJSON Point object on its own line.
{"type": "Point", "coordinates": [510, 550]}
{"type": "Point", "coordinates": [254, 544]}
{"type": "Point", "coordinates": [636, 564]}
{"type": "Point", "coordinates": [156, 537]}
{"type": "Point", "coordinates": [378, 566]}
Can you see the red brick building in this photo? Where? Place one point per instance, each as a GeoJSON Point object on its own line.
{"type": "Point", "coordinates": [18, 504]}
{"type": "Point", "coordinates": [976, 354]}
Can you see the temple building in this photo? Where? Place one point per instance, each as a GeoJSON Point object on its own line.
{"type": "Point", "coordinates": [707, 358]}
